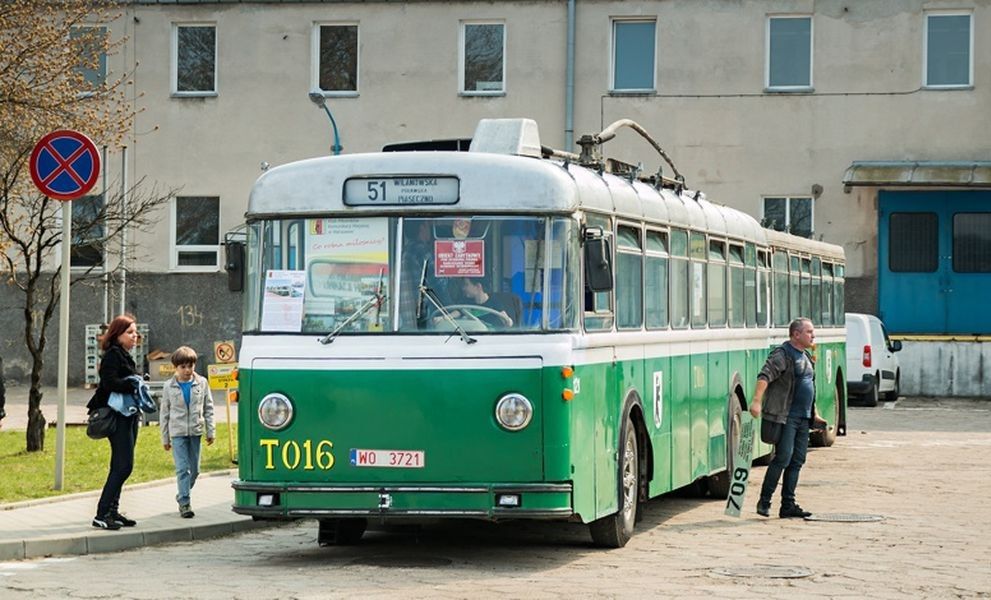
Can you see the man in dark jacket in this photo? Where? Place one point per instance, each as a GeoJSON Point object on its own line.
{"type": "Point", "coordinates": [788, 381]}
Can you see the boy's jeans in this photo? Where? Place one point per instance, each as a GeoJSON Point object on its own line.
{"type": "Point", "coordinates": [186, 452]}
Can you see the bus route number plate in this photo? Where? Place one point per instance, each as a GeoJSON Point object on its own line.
{"type": "Point", "coordinates": [396, 459]}
{"type": "Point", "coordinates": [741, 466]}
{"type": "Point", "coordinates": [399, 191]}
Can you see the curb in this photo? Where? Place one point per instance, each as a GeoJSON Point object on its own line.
{"type": "Point", "coordinates": [114, 541]}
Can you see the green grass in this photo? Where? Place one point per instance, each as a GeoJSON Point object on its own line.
{"type": "Point", "coordinates": [29, 475]}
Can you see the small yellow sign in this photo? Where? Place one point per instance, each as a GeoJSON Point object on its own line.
{"type": "Point", "coordinates": [224, 352]}
{"type": "Point", "coordinates": [222, 377]}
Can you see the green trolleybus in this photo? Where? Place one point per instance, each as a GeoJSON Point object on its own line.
{"type": "Point", "coordinates": [508, 332]}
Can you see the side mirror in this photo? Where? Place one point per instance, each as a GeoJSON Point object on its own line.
{"type": "Point", "coordinates": [234, 264]}
{"type": "Point", "coordinates": [896, 345]}
{"type": "Point", "coordinates": [598, 261]}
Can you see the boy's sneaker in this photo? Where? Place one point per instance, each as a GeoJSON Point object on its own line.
{"type": "Point", "coordinates": [793, 511]}
{"type": "Point", "coordinates": [124, 521]}
{"type": "Point", "coordinates": [763, 508]}
{"type": "Point", "coordinates": [106, 522]}
{"type": "Point", "coordinates": [186, 511]}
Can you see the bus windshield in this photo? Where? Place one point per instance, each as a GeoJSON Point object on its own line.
{"type": "Point", "coordinates": [369, 275]}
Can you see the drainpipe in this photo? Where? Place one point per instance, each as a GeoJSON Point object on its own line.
{"type": "Point", "coordinates": [569, 84]}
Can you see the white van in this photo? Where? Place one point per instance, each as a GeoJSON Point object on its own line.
{"type": "Point", "coordinates": [871, 365]}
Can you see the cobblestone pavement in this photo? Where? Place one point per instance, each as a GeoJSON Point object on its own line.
{"type": "Point", "coordinates": [922, 466]}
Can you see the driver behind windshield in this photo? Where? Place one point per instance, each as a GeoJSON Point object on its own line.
{"type": "Point", "coordinates": [506, 307]}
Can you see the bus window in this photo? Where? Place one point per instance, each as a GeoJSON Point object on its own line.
{"type": "Point", "coordinates": [779, 306]}
{"type": "Point", "coordinates": [697, 251]}
{"type": "Point", "coordinates": [794, 291]}
{"type": "Point", "coordinates": [737, 289]}
{"type": "Point", "coordinates": [679, 279]}
{"type": "Point", "coordinates": [629, 278]}
{"type": "Point", "coordinates": [816, 311]}
{"type": "Point", "coordinates": [563, 300]}
{"type": "Point", "coordinates": [656, 280]}
{"type": "Point", "coordinates": [827, 294]}
{"type": "Point", "coordinates": [839, 304]}
{"type": "Point", "coordinates": [598, 305]}
{"type": "Point", "coordinates": [717, 283]}
{"type": "Point", "coordinates": [806, 293]}
{"type": "Point", "coordinates": [763, 288]}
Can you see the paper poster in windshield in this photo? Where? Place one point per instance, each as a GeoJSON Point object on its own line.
{"type": "Point", "coordinates": [459, 258]}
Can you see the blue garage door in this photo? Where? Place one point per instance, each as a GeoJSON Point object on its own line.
{"type": "Point", "coordinates": [934, 261]}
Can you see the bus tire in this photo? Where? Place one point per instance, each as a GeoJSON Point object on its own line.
{"type": "Point", "coordinates": [719, 483]}
{"type": "Point", "coordinates": [613, 531]}
{"type": "Point", "coordinates": [341, 532]}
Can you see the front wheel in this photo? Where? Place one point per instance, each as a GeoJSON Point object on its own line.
{"type": "Point", "coordinates": [615, 530]}
{"type": "Point", "coordinates": [894, 393]}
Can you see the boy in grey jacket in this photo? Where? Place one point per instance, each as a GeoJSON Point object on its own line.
{"type": "Point", "coordinates": [186, 410]}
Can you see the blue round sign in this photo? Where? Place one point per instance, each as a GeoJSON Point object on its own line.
{"type": "Point", "coordinates": [65, 164]}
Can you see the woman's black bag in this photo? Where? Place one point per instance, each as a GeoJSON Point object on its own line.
{"type": "Point", "coordinates": [770, 432]}
{"type": "Point", "coordinates": [101, 423]}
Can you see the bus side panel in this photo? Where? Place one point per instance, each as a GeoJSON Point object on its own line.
{"type": "Point", "coordinates": [718, 393]}
{"type": "Point", "coordinates": [593, 442]}
{"type": "Point", "coordinates": [681, 421]}
{"type": "Point", "coordinates": [559, 429]}
{"type": "Point", "coordinates": [246, 421]}
{"type": "Point", "coordinates": [657, 410]}
{"type": "Point", "coordinates": [700, 409]}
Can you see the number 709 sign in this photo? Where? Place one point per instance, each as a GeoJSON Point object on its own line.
{"type": "Point", "coordinates": [741, 468]}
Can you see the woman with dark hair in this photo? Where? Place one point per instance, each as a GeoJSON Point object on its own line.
{"type": "Point", "coordinates": [115, 367]}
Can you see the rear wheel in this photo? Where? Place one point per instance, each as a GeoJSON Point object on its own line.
{"type": "Point", "coordinates": [719, 483]}
{"type": "Point", "coordinates": [615, 530]}
{"type": "Point", "coordinates": [341, 532]}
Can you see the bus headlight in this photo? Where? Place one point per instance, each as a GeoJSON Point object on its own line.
{"type": "Point", "coordinates": [275, 411]}
{"type": "Point", "coordinates": [513, 412]}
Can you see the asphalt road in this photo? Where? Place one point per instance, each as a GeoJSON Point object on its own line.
{"type": "Point", "coordinates": [915, 474]}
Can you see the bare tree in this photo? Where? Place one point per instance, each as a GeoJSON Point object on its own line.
{"type": "Point", "coordinates": [53, 75]}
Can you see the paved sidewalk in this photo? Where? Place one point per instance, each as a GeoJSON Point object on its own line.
{"type": "Point", "coordinates": [61, 525]}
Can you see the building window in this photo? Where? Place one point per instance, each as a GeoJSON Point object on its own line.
{"type": "Point", "coordinates": [194, 60]}
{"type": "Point", "coordinates": [87, 232]}
{"type": "Point", "coordinates": [789, 53]}
{"type": "Point", "coordinates": [913, 242]}
{"type": "Point", "coordinates": [949, 43]}
{"type": "Point", "coordinates": [336, 59]}
{"type": "Point", "coordinates": [633, 52]}
{"type": "Point", "coordinates": [196, 235]}
{"type": "Point", "coordinates": [792, 215]}
{"type": "Point", "coordinates": [90, 43]}
{"type": "Point", "coordinates": [483, 51]}
{"type": "Point", "coordinates": [972, 242]}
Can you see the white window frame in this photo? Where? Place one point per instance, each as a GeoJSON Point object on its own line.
{"type": "Point", "coordinates": [174, 63]}
{"type": "Point", "coordinates": [767, 54]}
{"type": "Point", "coordinates": [315, 59]}
{"type": "Point", "coordinates": [788, 199]}
{"type": "Point", "coordinates": [612, 56]}
{"type": "Point", "coordinates": [106, 58]}
{"type": "Point", "coordinates": [175, 248]}
{"type": "Point", "coordinates": [461, 59]}
{"type": "Point", "coordinates": [925, 50]}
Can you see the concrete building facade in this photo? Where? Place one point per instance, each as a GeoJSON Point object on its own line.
{"type": "Point", "coordinates": [801, 111]}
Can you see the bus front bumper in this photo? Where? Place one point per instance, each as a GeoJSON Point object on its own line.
{"type": "Point", "coordinates": [486, 501]}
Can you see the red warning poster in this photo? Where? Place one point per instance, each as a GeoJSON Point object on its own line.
{"type": "Point", "coordinates": [459, 258]}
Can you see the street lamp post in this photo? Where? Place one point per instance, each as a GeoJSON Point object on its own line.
{"type": "Point", "coordinates": [317, 97]}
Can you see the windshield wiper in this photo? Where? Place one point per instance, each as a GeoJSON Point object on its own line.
{"type": "Point", "coordinates": [377, 300]}
{"type": "Point", "coordinates": [429, 294]}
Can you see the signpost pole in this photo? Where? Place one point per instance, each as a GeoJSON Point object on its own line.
{"type": "Point", "coordinates": [63, 344]}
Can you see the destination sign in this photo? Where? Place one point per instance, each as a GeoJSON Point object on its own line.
{"type": "Point", "coordinates": [399, 191]}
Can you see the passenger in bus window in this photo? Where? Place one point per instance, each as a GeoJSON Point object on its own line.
{"type": "Point", "coordinates": [788, 380]}
{"type": "Point", "coordinates": [506, 307]}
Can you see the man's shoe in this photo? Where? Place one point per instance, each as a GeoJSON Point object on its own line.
{"type": "Point", "coordinates": [106, 522]}
{"type": "Point", "coordinates": [793, 511]}
{"type": "Point", "coordinates": [763, 508]}
{"type": "Point", "coordinates": [186, 511]}
{"type": "Point", "coordinates": [124, 521]}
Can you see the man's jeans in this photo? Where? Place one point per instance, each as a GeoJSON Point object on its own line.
{"type": "Point", "coordinates": [789, 456]}
{"type": "Point", "coordinates": [186, 452]}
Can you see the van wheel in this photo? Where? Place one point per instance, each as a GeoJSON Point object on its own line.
{"type": "Point", "coordinates": [893, 394]}
{"type": "Point", "coordinates": [719, 483]}
{"type": "Point", "coordinates": [613, 531]}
